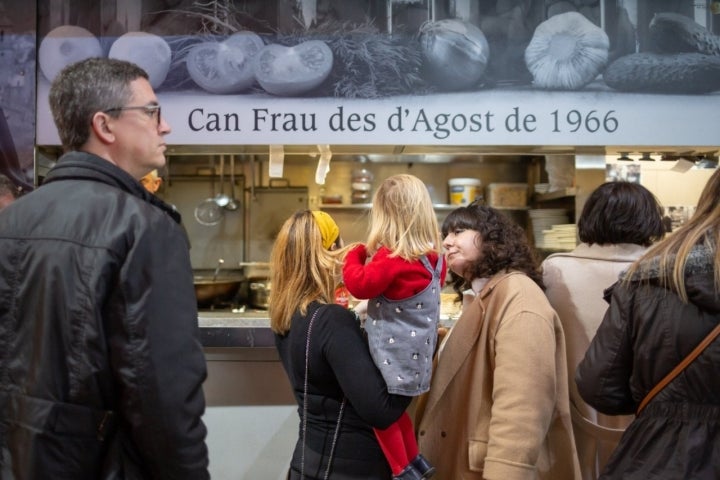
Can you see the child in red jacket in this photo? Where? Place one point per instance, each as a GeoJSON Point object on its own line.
{"type": "Point", "coordinates": [402, 281]}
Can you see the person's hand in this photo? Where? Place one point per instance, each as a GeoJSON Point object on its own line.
{"type": "Point", "coordinates": [360, 309]}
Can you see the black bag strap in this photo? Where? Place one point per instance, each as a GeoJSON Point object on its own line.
{"type": "Point", "coordinates": [305, 402]}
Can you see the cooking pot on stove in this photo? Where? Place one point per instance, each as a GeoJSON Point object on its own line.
{"type": "Point", "coordinates": [210, 289]}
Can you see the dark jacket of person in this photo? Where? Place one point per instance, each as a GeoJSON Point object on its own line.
{"type": "Point", "coordinates": [646, 332]}
{"type": "Point", "coordinates": [100, 365]}
{"type": "Point", "coordinates": [339, 366]}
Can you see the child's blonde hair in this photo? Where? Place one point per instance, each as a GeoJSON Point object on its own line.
{"type": "Point", "coordinates": [402, 218]}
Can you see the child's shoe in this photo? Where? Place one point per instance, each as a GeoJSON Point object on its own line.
{"type": "Point", "coordinates": [422, 465]}
{"type": "Point", "coordinates": [409, 473]}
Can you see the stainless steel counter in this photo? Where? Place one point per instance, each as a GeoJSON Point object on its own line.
{"type": "Point", "coordinates": [248, 329]}
{"type": "Point", "coordinates": [243, 365]}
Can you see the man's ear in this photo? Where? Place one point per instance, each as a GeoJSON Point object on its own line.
{"type": "Point", "coordinates": [101, 126]}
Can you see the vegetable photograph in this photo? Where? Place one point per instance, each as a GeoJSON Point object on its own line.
{"type": "Point", "coordinates": [384, 48]}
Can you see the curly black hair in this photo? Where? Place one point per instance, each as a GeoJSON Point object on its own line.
{"type": "Point", "coordinates": [504, 244]}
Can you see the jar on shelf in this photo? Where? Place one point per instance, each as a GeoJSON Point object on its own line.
{"type": "Point", "coordinates": [361, 185]}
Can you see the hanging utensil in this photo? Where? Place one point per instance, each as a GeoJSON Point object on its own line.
{"type": "Point", "coordinates": [208, 212]}
{"type": "Point", "coordinates": [232, 204]}
{"type": "Point", "coordinates": [221, 199]}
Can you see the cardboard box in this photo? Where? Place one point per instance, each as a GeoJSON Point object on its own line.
{"type": "Point", "coordinates": [507, 194]}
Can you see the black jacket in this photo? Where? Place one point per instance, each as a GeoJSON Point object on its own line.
{"type": "Point", "coordinates": [340, 366]}
{"type": "Point", "coordinates": [646, 332]}
{"type": "Point", "coordinates": [101, 369]}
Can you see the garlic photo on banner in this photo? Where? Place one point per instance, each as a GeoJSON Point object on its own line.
{"type": "Point", "coordinates": [567, 51]}
{"type": "Point", "coordinates": [455, 53]}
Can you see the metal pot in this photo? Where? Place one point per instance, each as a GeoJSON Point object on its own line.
{"type": "Point", "coordinates": [260, 293]}
{"type": "Point", "coordinates": [210, 288]}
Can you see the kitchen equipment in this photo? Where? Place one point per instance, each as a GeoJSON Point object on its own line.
{"type": "Point", "coordinates": [216, 287]}
{"type": "Point", "coordinates": [259, 293]}
{"type": "Point", "coordinates": [208, 212]}
{"type": "Point", "coordinates": [361, 185]}
{"type": "Point", "coordinates": [221, 199]}
{"type": "Point", "coordinates": [210, 289]}
{"type": "Point", "coordinates": [232, 204]}
{"type": "Point", "coordinates": [255, 270]}
{"type": "Point", "coordinates": [257, 286]}
{"type": "Point", "coordinates": [269, 208]}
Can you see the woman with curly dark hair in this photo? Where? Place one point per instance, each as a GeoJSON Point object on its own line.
{"type": "Point", "coordinates": [498, 405]}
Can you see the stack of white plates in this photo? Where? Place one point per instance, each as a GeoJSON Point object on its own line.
{"type": "Point", "coordinates": [559, 237]}
{"type": "Point", "coordinates": [543, 219]}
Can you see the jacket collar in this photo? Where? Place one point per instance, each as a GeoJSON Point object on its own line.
{"type": "Point", "coordinates": [700, 260]}
{"type": "Point", "coordinates": [87, 166]}
{"type": "Point", "coordinates": [620, 252]}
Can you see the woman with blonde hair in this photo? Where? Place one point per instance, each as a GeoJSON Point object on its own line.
{"type": "Point", "coordinates": [660, 310]}
{"type": "Point", "coordinates": [401, 270]}
{"type": "Point", "coordinates": [341, 395]}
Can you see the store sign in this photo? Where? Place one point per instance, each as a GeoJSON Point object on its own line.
{"type": "Point", "coordinates": [311, 88]}
{"type": "Point", "coordinates": [478, 118]}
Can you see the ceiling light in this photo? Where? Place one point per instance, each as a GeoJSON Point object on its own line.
{"type": "Point", "coordinates": [624, 157]}
{"type": "Point", "coordinates": [646, 157]}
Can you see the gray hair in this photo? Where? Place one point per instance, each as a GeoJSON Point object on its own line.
{"type": "Point", "coordinates": [84, 88]}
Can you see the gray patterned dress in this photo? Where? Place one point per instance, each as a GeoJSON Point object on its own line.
{"type": "Point", "coordinates": [402, 335]}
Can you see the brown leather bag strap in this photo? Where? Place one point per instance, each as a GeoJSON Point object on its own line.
{"type": "Point", "coordinates": [679, 368]}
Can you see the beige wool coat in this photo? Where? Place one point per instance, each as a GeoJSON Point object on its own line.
{"type": "Point", "coordinates": [575, 282]}
{"type": "Point", "coordinates": [498, 402]}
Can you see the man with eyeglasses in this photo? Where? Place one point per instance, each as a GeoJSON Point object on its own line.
{"type": "Point", "coordinates": [101, 369]}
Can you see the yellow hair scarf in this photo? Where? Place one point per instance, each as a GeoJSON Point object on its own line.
{"type": "Point", "coordinates": [328, 228]}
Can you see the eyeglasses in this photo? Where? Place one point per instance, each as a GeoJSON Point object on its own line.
{"type": "Point", "coordinates": [152, 111]}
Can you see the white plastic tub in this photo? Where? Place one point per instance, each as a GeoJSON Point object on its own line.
{"type": "Point", "coordinates": [464, 190]}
